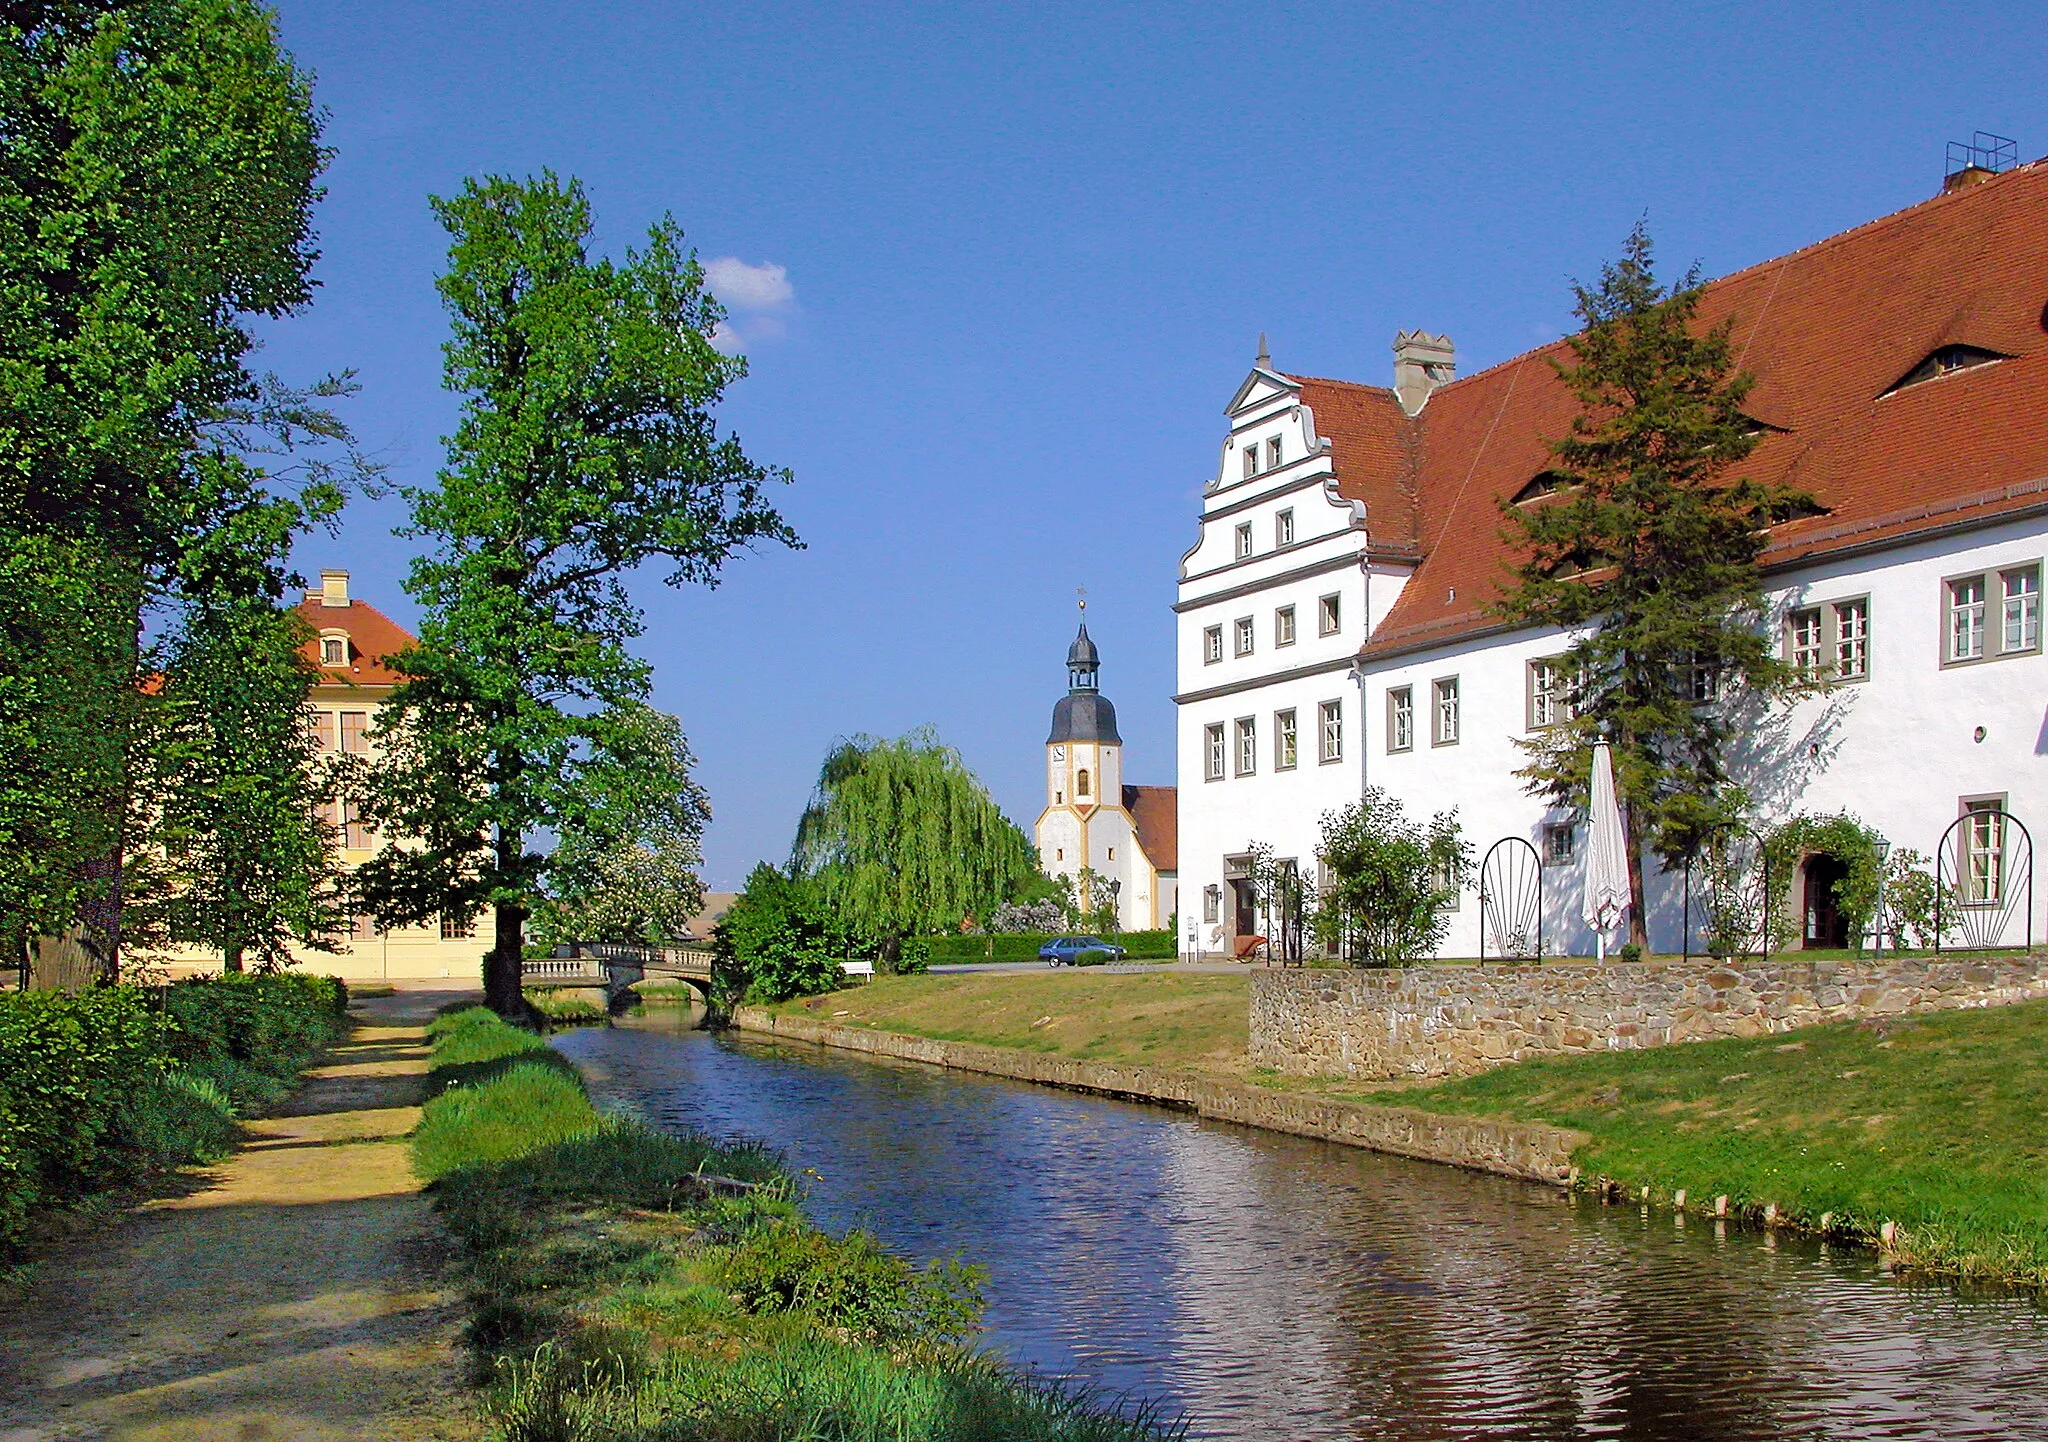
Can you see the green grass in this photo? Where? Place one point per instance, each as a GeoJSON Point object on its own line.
{"type": "Point", "coordinates": [1937, 1122]}
{"type": "Point", "coordinates": [1148, 1018]}
{"type": "Point", "coordinates": [629, 1284]}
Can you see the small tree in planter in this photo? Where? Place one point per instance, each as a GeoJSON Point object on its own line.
{"type": "Point", "coordinates": [1390, 881]}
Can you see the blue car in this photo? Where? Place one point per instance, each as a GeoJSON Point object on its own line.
{"type": "Point", "coordinates": [1065, 950]}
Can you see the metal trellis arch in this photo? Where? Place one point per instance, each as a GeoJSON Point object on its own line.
{"type": "Point", "coordinates": [1511, 899]}
{"type": "Point", "coordinates": [1983, 873]}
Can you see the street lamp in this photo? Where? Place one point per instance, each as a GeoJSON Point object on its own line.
{"type": "Point", "coordinates": [1116, 887]}
{"type": "Point", "coordinates": [1883, 848]}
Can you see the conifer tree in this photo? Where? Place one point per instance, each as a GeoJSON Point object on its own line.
{"type": "Point", "coordinates": [1647, 554]}
{"type": "Point", "coordinates": [586, 447]}
{"type": "Point", "coordinates": [903, 839]}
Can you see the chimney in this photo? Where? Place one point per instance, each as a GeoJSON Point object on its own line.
{"type": "Point", "coordinates": [1963, 179]}
{"type": "Point", "coordinates": [1422, 362]}
{"type": "Point", "coordinates": [333, 588]}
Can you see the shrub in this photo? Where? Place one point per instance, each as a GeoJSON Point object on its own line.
{"type": "Point", "coordinates": [850, 1282]}
{"type": "Point", "coordinates": [1023, 946]}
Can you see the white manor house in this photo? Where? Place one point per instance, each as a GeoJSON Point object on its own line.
{"type": "Point", "coordinates": [1336, 623]}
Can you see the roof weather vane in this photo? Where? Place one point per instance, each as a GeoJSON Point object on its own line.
{"type": "Point", "coordinates": [1082, 592]}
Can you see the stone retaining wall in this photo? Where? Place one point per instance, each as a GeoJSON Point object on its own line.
{"type": "Point", "coordinates": [1531, 1152]}
{"type": "Point", "coordinates": [1433, 1021]}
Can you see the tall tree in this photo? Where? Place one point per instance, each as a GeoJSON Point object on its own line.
{"type": "Point", "coordinates": [586, 447]}
{"type": "Point", "coordinates": [1648, 555]}
{"type": "Point", "coordinates": [158, 161]}
{"type": "Point", "coordinates": [903, 839]}
{"type": "Point", "coordinates": [244, 866]}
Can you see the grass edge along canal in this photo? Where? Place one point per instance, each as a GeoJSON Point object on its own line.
{"type": "Point", "coordinates": [626, 1283]}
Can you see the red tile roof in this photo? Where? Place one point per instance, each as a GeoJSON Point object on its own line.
{"type": "Point", "coordinates": [1155, 810]}
{"type": "Point", "coordinates": [372, 636]}
{"type": "Point", "coordinates": [1827, 331]}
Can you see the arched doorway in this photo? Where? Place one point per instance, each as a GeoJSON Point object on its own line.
{"type": "Point", "coordinates": [1827, 925]}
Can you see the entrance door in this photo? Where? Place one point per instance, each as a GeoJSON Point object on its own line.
{"type": "Point", "coordinates": [1245, 895]}
{"type": "Point", "coordinates": [1826, 926]}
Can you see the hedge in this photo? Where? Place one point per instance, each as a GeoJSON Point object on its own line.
{"type": "Point", "coordinates": [1023, 946]}
{"type": "Point", "coordinates": [105, 1085]}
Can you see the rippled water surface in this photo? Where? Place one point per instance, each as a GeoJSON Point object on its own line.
{"type": "Point", "coordinates": [1278, 1288]}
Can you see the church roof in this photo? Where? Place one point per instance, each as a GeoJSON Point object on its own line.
{"type": "Point", "coordinates": [1084, 716]}
{"type": "Point", "coordinates": [1155, 811]}
{"type": "Point", "coordinates": [1082, 654]}
{"type": "Point", "coordinates": [1829, 331]}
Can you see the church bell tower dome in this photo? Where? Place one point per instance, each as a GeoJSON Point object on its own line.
{"type": "Point", "coordinates": [1083, 714]}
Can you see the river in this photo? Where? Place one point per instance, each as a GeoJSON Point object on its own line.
{"type": "Point", "coordinates": [1277, 1288]}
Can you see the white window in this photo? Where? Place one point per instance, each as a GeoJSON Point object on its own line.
{"type": "Point", "coordinates": [1332, 725]}
{"type": "Point", "coordinates": [1557, 844]}
{"type": "Point", "coordinates": [1852, 639]}
{"type": "Point", "coordinates": [1444, 711]}
{"type": "Point", "coordinates": [1549, 694]}
{"type": "Point", "coordinates": [1283, 626]}
{"type": "Point", "coordinates": [323, 730]}
{"type": "Point", "coordinates": [1212, 750]}
{"type": "Point", "coordinates": [1212, 645]}
{"type": "Point", "coordinates": [333, 651]}
{"type": "Point", "coordinates": [1283, 528]}
{"type": "Point", "coordinates": [1272, 452]}
{"type": "Point", "coordinates": [1983, 853]}
{"type": "Point", "coordinates": [355, 729]}
{"type": "Point", "coordinates": [1401, 718]}
{"type": "Point", "coordinates": [1244, 635]}
{"type": "Point", "coordinates": [1966, 618]}
{"type": "Point", "coordinates": [1284, 752]}
{"type": "Point", "coordinates": [1701, 680]}
{"type": "Point", "coordinates": [1212, 904]}
{"type": "Point", "coordinates": [1244, 540]}
{"type": "Point", "coordinates": [1329, 611]}
{"type": "Point", "coordinates": [1251, 459]}
{"type": "Point", "coordinates": [2022, 611]}
{"type": "Point", "coordinates": [1802, 640]}
{"type": "Point", "coordinates": [1247, 745]}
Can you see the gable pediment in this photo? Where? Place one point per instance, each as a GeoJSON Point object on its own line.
{"type": "Point", "coordinates": [1260, 387]}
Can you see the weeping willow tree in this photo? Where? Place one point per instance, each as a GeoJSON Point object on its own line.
{"type": "Point", "coordinates": [903, 839]}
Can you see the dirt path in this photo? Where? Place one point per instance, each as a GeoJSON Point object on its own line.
{"type": "Point", "coordinates": [294, 1295]}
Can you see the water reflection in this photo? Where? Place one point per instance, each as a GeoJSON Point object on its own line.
{"type": "Point", "coordinates": [1276, 1287]}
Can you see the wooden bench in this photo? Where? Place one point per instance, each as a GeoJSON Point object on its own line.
{"type": "Point", "coordinates": [864, 969]}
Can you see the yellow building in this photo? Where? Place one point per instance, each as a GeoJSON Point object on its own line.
{"type": "Point", "coordinates": [351, 641]}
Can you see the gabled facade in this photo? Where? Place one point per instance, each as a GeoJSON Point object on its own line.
{"type": "Point", "coordinates": [1902, 380]}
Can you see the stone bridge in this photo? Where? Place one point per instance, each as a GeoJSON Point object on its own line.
{"type": "Point", "coordinates": [617, 966]}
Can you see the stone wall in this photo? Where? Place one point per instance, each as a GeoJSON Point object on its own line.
{"type": "Point", "coordinates": [1531, 1151]}
{"type": "Point", "coordinates": [1433, 1021]}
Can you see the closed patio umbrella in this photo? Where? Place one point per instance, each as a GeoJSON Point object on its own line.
{"type": "Point", "coordinates": [1606, 854]}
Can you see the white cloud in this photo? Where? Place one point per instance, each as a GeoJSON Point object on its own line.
{"type": "Point", "coordinates": [749, 287]}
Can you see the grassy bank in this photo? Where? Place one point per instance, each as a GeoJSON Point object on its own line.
{"type": "Point", "coordinates": [627, 1284]}
{"type": "Point", "coordinates": [1936, 1122]}
{"type": "Point", "coordinates": [1149, 1018]}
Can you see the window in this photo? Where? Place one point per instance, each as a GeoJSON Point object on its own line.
{"type": "Point", "coordinates": [1946, 361]}
{"type": "Point", "coordinates": [1247, 745]}
{"type": "Point", "coordinates": [2021, 590]}
{"type": "Point", "coordinates": [1445, 875]}
{"type": "Point", "coordinates": [1081, 783]}
{"type": "Point", "coordinates": [1284, 748]}
{"type": "Point", "coordinates": [323, 730]}
{"type": "Point", "coordinates": [1549, 694]}
{"type": "Point", "coordinates": [1328, 612]}
{"type": "Point", "coordinates": [1283, 626]}
{"type": "Point", "coordinates": [1852, 639]}
{"type": "Point", "coordinates": [1802, 640]}
{"type": "Point", "coordinates": [1244, 635]}
{"type": "Point", "coordinates": [1283, 528]}
{"type": "Point", "coordinates": [1966, 618]}
{"type": "Point", "coordinates": [362, 928]}
{"type": "Point", "coordinates": [1331, 720]}
{"type": "Point", "coordinates": [1444, 712]}
{"type": "Point", "coordinates": [1244, 540]}
{"type": "Point", "coordinates": [1212, 904]}
{"type": "Point", "coordinates": [1558, 849]}
{"type": "Point", "coordinates": [333, 651]}
{"type": "Point", "coordinates": [1401, 718]}
{"type": "Point", "coordinates": [1212, 751]}
{"type": "Point", "coordinates": [329, 814]}
{"type": "Point", "coordinates": [356, 832]}
{"type": "Point", "coordinates": [1699, 679]}
{"type": "Point", "coordinates": [354, 729]}
{"type": "Point", "coordinates": [1251, 459]}
{"type": "Point", "coordinates": [1272, 452]}
{"type": "Point", "coordinates": [1212, 645]}
{"type": "Point", "coordinates": [1983, 858]}
{"type": "Point", "coordinates": [455, 927]}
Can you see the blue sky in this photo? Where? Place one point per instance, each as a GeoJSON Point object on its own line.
{"type": "Point", "coordinates": [1025, 252]}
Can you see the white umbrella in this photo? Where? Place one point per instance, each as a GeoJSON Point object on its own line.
{"type": "Point", "coordinates": [1606, 854]}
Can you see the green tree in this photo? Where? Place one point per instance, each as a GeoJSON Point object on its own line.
{"type": "Point", "coordinates": [1647, 554]}
{"type": "Point", "coordinates": [778, 940]}
{"type": "Point", "coordinates": [158, 164]}
{"type": "Point", "coordinates": [243, 863]}
{"type": "Point", "coordinates": [903, 839]}
{"type": "Point", "coordinates": [1389, 882]}
{"type": "Point", "coordinates": [586, 447]}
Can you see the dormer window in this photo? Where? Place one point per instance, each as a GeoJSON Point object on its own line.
{"type": "Point", "coordinates": [1543, 483]}
{"type": "Point", "coordinates": [1946, 361]}
{"type": "Point", "coordinates": [334, 650]}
